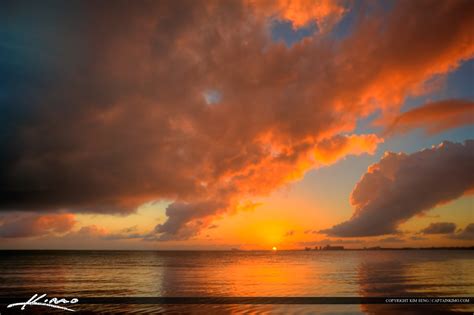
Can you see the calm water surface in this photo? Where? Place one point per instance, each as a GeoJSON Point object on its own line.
{"type": "Point", "coordinates": [283, 273]}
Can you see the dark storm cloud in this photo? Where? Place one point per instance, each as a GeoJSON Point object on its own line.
{"type": "Point", "coordinates": [401, 186]}
{"type": "Point", "coordinates": [102, 105]}
{"type": "Point", "coordinates": [439, 228]}
{"type": "Point", "coordinates": [31, 225]}
{"type": "Point", "coordinates": [181, 213]}
{"type": "Point", "coordinates": [467, 234]}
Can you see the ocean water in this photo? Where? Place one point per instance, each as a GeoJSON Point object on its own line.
{"type": "Point", "coordinates": [82, 274]}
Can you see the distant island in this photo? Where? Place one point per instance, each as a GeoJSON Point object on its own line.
{"type": "Point", "coordinates": [329, 247]}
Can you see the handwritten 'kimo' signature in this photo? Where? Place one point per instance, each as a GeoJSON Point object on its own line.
{"type": "Point", "coordinates": [40, 300]}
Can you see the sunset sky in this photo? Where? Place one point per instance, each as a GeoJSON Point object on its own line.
{"type": "Point", "coordinates": [236, 124]}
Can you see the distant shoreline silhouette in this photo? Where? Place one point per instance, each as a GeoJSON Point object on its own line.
{"type": "Point", "coordinates": [331, 248]}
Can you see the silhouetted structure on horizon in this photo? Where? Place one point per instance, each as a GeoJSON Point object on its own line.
{"type": "Point", "coordinates": [329, 247]}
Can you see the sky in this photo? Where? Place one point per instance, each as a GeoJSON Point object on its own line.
{"type": "Point", "coordinates": [240, 124]}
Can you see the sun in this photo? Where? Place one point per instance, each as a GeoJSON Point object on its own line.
{"type": "Point", "coordinates": [274, 248]}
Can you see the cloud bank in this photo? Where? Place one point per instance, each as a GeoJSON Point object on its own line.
{"type": "Point", "coordinates": [32, 225]}
{"type": "Point", "coordinates": [401, 186]}
{"type": "Point", "coordinates": [467, 234]}
{"type": "Point", "coordinates": [439, 228]}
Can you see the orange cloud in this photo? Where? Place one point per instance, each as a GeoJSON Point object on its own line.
{"type": "Point", "coordinates": [325, 13]}
{"type": "Point", "coordinates": [331, 150]}
{"type": "Point", "coordinates": [435, 117]}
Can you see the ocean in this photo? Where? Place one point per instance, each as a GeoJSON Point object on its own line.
{"type": "Point", "coordinates": [95, 274]}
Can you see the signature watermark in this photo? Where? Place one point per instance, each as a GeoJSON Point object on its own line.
{"type": "Point", "coordinates": [41, 300]}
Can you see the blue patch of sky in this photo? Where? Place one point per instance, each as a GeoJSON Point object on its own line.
{"type": "Point", "coordinates": [355, 11]}
{"type": "Point", "coordinates": [458, 84]}
{"type": "Point", "coordinates": [418, 140]}
{"type": "Point", "coordinates": [282, 30]}
{"type": "Point", "coordinates": [365, 124]}
{"type": "Point", "coordinates": [212, 96]}
{"type": "Point", "coordinates": [346, 25]}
